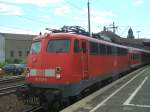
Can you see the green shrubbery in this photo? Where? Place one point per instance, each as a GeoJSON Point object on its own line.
{"type": "Point", "coordinates": [2, 64]}
{"type": "Point", "coordinates": [12, 61]}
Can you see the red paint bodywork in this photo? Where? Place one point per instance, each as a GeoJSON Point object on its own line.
{"type": "Point", "coordinates": [76, 66]}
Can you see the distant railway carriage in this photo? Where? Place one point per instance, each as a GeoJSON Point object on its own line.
{"type": "Point", "coordinates": [61, 65]}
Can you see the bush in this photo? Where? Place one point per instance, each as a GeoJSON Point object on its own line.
{"type": "Point", "coordinates": [9, 61]}
{"type": "Point", "coordinates": [12, 61]}
{"type": "Point", "coordinates": [19, 61]}
{"type": "Point", "coordinates": [15, 61]}
{"type": "Point", "coordinates": [2, 64]}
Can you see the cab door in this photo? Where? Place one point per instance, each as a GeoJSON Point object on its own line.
{"type": "Point", "coordinates": [84, 59]}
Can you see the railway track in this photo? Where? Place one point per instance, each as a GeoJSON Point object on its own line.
{"type": "Point", "coordinates": [9, 90]}
{"type": "Point", "coordinates": [12, 79]}
{"type": "Point", "coordinates": [34, 109]}
{"type": "Point", "coordinates": [8, 86]}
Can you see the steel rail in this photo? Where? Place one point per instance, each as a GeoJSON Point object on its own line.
{"type": "Point", "coordinates": [33, 109]}
{"type": "Point", "coordinates": [12, 79]}
{"type": "Point", "coordinates": [9, 90]}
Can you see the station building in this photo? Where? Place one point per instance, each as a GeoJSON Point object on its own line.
{"type": "Point", "coordinates": [137, 43]}
{"type": "Point", "coordinates": [14, 46]}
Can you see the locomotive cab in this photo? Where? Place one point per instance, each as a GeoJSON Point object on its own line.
{"type": "Point", "coordinates": [58, 61]}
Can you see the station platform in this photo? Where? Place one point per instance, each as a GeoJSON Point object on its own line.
{"type": "Point", "coordinates": [130, 93]}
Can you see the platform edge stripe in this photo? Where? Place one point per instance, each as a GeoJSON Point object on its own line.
{"type": "Point", "coordinates": [135, 92]}
{"type": "Point", "coordinates": [135, 105]}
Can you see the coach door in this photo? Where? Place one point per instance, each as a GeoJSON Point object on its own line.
{"type": "Point", "coordinates": [84, 58]}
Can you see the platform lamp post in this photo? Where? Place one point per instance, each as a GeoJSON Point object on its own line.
{"type": "Point", "coordinates": [138, 32]}
{"type": "Point", "coordinates": [89, 22]}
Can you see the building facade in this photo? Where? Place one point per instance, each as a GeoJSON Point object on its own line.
{"type": "Point", "coordinates": [14, 46]}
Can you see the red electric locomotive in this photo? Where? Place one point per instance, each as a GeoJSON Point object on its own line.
{"type": "Point", "coordinates": [61, 65]}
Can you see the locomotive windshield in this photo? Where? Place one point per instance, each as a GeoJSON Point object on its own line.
{"type": "Point", "coordinates": [35, 47]}
{"type": "Point", "coordinates": [58, 45]}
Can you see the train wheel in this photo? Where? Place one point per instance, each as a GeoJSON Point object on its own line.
{"type": "Point", "coordinates": [76, 98]}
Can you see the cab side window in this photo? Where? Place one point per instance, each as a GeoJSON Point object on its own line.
{"type": "Point", "coordinates": [84, 47]}
{"type": "Point", "coordinates": [76, 46]}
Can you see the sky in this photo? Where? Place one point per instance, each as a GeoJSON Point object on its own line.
{"type": "Point", "coordinates": [33, 16]}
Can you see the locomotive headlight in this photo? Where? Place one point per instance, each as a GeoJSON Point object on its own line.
{"type": "Point", "coordinates": [58, 72]}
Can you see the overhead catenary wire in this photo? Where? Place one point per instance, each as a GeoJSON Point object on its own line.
{"type": "Point", "coordinates": [33, 20]}
{"type": "Point", "coordinates": [37, 21]}
{"type": "Point", "coordinates": [75, 6]}
{"type": "Point", "coordinates": [25, 17]}
{"type": "Point", "coordinates": [4, 28]}
{"type": "Point", "coordinates": [88, 13]}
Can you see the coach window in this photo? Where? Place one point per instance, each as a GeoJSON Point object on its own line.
{"type": "Point", "coordinates": [118, 50]}
{"type": "Point", "coordinates": [108, 50]}
{"type": "Point", "coordinates": [76, 46]}
{"type": "Point", "coordinates": [102, 49]}
{"type": "Point", "coordinates": [124, 51]}
{"type": "Point", "coordinates": [93, 48]}
{"type": "Point", "coordinates": [112, 50]}
{"type": "Point", "coordinates": [121, 51]}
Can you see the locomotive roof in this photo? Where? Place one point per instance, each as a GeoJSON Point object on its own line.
{"type": "Point", "coordinates": [70, 35]}
{"type": "Point", "coordinates": [85, 37]}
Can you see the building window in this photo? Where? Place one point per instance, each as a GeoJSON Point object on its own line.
{"type": "Point", "coordinates": [27, 53]}
{"type": "Point", "coordinates": [20, 53]}
{"type": "Point", "coordinates": [11, 53]}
